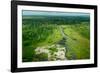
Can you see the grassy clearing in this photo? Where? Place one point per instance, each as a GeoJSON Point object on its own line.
{"type": "Point", "coordinates": [78, 44]}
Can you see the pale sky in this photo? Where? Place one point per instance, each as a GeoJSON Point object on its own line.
{"type": "Point", "coordinates": [51, 13]}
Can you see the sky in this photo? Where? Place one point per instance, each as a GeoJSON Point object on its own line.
{"type": "Point", "coordinates": [52, 13]}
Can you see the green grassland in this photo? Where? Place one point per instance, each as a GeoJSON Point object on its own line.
{"type": "Point", "coordinates": [45, 30]}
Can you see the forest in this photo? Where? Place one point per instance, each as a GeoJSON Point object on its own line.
{"type": "Point", "coordinates": [51, 38]}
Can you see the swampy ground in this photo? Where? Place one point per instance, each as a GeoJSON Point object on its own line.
{"type": "Point", "coordinates": [70, 32]}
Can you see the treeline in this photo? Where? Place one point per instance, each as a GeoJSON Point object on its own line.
{"type": "Point", "coordinates": [55, 19]}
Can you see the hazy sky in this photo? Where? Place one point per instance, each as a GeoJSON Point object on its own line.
{"type": "Point", "coordinates": [51, 13]}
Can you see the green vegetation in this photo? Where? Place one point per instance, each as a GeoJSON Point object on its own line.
{"type": "Point", "coordinates": [72, 32]}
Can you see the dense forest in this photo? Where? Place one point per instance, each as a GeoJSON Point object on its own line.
{"type": "Point", "coordinates": [49, 38]}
